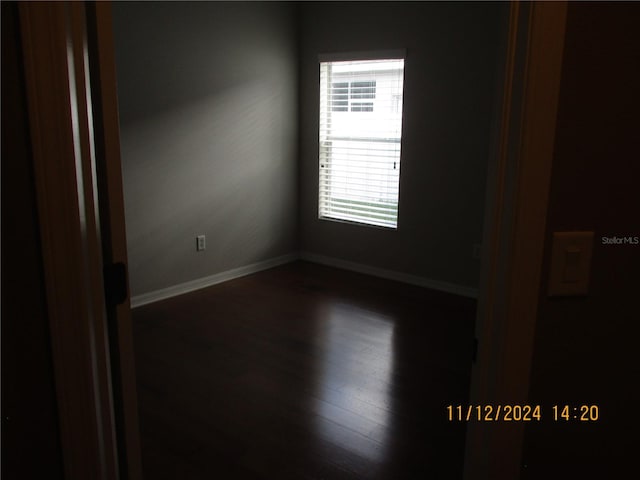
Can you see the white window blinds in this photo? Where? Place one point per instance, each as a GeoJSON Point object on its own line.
{"type": "Point", "coordinates": [360, 132]}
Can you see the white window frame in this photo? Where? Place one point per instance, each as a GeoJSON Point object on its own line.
{"type": "Point", "coordinates": [360, 206]}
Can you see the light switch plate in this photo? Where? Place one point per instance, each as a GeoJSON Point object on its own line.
{"type": "Point", "coordinates": [570, 263]}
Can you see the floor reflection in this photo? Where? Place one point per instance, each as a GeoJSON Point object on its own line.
{"type": "Point", "coordinates": [353, 398]}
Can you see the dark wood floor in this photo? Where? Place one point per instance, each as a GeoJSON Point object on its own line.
{"type": "Point", "coordinates": [303, 372]}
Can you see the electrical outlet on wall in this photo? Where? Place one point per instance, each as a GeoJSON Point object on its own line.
{"type": "Point", "coordinates": [200, 243]}
{"type": "Point", "coordinates": [477, 249]}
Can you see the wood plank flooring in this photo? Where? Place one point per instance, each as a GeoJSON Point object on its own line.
{"type": "Point", "coordinates": [303, 372]}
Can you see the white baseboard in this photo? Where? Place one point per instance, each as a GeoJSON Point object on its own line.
{"type": "Point", "coordinates": [186, 287]}
{"type": "Point", "coordinates": [391, 275]}
{"type": "Point", "coordinates": [157, 295]}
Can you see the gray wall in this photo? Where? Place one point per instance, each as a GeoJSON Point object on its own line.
{"type": "Point", "coordinates": [208, 115]}
{"type": "Point", "coordinates": [451, 74]}
{"type": "Point", "coordinates": [209, 104]}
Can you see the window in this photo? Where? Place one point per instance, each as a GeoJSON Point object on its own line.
{"type": "Point", "coordinates": [341, 92]}
{"type": "Point", "coordinates": [360, 132]}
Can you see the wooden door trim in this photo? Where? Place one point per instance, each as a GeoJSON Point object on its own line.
{"type": "Point", "coordinates": [55, 63]}
{"type": "Point", "coordinates": [514, 232]}
{"type": "Point", "coordinates": [112, 216]}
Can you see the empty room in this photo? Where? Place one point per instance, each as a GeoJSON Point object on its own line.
{"type": "Point", "coordinates": [305, 370]}
{"type": "Point", "coordinates": [332, 159]}
{"type": "Point", "coordinates": [319, 240]}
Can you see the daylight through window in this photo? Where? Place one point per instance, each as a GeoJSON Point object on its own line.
{"type": "Point", "coordinates": [360, 132]}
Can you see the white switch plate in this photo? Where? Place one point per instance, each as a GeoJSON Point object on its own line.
{"type": "Point", "coordinates": [570, 263]}
{"type": "Point", "coordinates": [200, 243]}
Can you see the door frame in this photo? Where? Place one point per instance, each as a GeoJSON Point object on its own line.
{"type": "Point", "coordinates": [515, 227]}
{"type": "Point", "coordinates": [113, 234]}
{"type": "Point", "coordinates": [69, 75]}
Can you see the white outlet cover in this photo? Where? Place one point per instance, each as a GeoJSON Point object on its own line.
{"type": "Point", "coordinates": [200, 243]}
